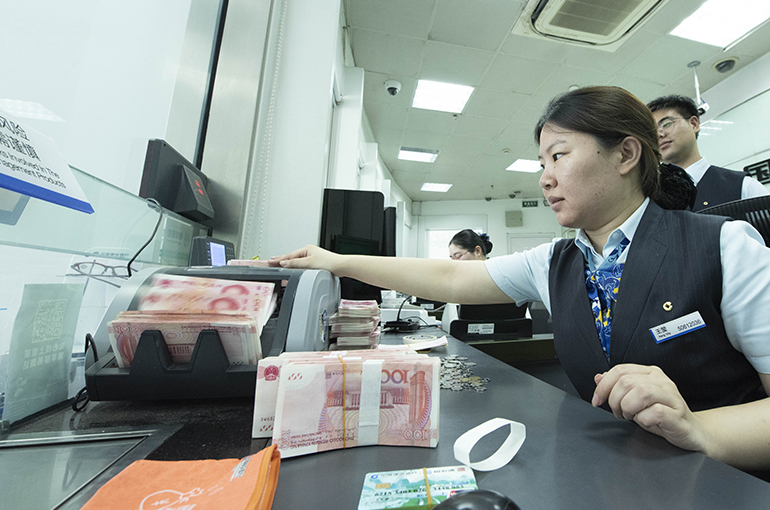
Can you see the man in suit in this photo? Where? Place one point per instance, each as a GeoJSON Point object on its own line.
{"type": "Point", "coordinates": [678, 127]}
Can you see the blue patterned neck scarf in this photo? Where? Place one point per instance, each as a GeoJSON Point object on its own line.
{"type": "Point", "coordinates": [603, 286]}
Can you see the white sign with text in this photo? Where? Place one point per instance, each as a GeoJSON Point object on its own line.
{"type": "Point", "coordinates": [31, 164]}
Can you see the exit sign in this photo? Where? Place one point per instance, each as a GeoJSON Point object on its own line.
{"type": "Point", "coordinates": [529, 203]}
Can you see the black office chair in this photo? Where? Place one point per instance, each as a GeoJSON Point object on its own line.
{"type": "Point", "coordinates": [753, 210]}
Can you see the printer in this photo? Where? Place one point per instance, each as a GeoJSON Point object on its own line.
{"type": "Point", "coordinates": [300, 322]}
{"type": "Point", "coordinates": [491, 322]}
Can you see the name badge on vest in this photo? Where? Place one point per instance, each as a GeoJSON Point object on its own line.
{"type": "Point", "coordinates": [677, 327]}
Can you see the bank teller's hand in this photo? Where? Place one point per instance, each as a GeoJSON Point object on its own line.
{"type": "Point", "coordinates": [647, 396]}
{"type": "Point", "coordinates": [309, 257]}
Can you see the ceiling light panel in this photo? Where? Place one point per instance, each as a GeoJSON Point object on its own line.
{"type": "Point", "coordinates": [437, 187]}
{"type": "Point", "coordinates": [443, 97]}
{"type": "Point", "coordinates": [417, 154]}
{"type": "Point", "coordinates": [525, 165]}
{"type": "Point", "coordinates": [723, 22]}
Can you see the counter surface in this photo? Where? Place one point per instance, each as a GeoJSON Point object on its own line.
{"type": "Point", "coordinates": [574, 457]}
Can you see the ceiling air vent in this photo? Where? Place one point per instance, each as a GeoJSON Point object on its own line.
{"type": "Point", "coordinates": [602, 24]}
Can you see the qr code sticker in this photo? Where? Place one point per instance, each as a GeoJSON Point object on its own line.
{"type": "Point", "coordinates": [49, 318]}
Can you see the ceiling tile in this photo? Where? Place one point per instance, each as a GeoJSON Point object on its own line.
{"type": "Point", "coordinates": [481, 127]}
{"type": "Point", "coordinates": [424, 139]}
{"type": "Point", "coordinates": [465, 145]}
{"type": "Point", "coordinates": [537, 48]}
{"type": "Point", "coordinates": [430, 120]}
{"type": "Point", "coordinates": [457, 159]}
{"type": "Point", "coordinates": [530, 113]}
{"type": "Point", "coordinates": [492, 164]}
{"type": "Point", "coordinates": [446, 171]}
{"type": "Point", "coordinates": [643, 89]}
{"type": "Point", "coordinates": [526, 150]}
{"type": "Point", "coordinates": [385, 53]}
{"type": "Point", "coordinates": [517, 133]}
{"type": "Point", "coordinates": [669, 57]}
{"type": "Point", "coordinates": [384, 115]}
{"type": "Point", "coordinates": [387, 136]}
{"type": "Point", "coordinates": [494, 104]}
{"type": "Point", "coordinates": [454, 64]}
{"type": "Point", "coordinates": [482, 25]}
{"type": "Point", "coordinates": [564, 77]}
{"type": "Point", "coordinates": [411, 171]}
{"type": "Point", "coordinates": [399, 17]}
{"type": "Point", "coordinates": [516, 74]}
{"type": "Point", "coordinates": [684, 86]}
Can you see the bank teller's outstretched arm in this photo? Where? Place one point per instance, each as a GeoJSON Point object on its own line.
{"type": "Point", "coordinates": [440, 280]}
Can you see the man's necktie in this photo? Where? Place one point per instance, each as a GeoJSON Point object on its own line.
{"type": "Point", "coordinates": [603, 285]}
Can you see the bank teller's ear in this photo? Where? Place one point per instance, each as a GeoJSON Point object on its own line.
{"type": "Point", "coordinates": [630, 154]}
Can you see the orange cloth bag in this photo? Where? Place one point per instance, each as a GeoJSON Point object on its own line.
{"type": "Point", "coordinates": [230, 484]}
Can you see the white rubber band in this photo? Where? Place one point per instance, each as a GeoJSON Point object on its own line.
{"type": "Point", "coordinates": [502, 456]}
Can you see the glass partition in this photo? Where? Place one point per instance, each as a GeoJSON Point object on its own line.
{"type": "Point", "coordinates": [59, 270]}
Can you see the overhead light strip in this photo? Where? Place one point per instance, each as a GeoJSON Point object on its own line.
{"type": "Point", "coordinates": [417, 154]}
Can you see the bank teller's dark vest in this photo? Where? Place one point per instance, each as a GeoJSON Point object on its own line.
{"type": "Point", "coordinates": [674, 257]}
{"type": "Point", "coordinates": [717, 186]}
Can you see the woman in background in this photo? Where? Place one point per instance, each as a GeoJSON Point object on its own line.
{"type": "Point", "coordinates": [468, 245]}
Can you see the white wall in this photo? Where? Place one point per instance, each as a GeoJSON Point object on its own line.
{"type": "Point", "coordinates": [536, 220]}
{"type": "Point", "coordinates": [109, 71]}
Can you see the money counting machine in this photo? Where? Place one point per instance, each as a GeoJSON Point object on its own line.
{"type": "Point", "coordinates": [300, 322]}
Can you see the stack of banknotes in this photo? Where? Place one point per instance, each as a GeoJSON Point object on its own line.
{"type": "Point", "coordinates": [356, 324]}
{"type": "Point", "coordinates": [312, 402]}
{"type": "Point", "coordinates": [181, 307]}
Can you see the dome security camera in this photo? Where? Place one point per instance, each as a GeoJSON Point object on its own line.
{"type": "Point", "coordinates": [393, 87]}
{"type": "Point", "coordinates": [488, 199]}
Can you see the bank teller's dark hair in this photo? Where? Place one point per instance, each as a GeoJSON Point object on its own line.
{"type": "Point", "coordinates": [683, 105]}
{"type": "Point", "coordinates": [609, 114]}
{"type": "Point", "coordinates": [468, 240]}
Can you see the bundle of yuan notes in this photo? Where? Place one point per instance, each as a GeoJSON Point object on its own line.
{"type": "Point", "coordinates": [239, 334]}
{"type": "Point", "coordinates": [312, 402]}
{"type": "Point", "coordinates": [356, 324]}
{"type": "Point", "coordinates": [180, 307]}
{"type": "Point", "coordinates": [210, 295]}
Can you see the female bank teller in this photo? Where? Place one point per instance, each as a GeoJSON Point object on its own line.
{"type": "Point", "coordinates": [468, 245]}
{"type": "Point", "coordinates": [682, 347]}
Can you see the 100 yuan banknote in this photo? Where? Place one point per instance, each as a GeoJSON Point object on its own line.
{"type": "Point", "coordinates": [192, 294]}
{"type": "Point", "coordinates": [315, 414]}
{"type": "Point", "coordinates": [269, 377]}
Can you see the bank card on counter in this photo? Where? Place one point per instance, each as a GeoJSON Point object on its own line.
{"type": "Point", "coordinates": [415, 489]}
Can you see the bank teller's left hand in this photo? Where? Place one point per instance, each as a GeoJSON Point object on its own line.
{"type": "Point", "coordinates": [647, 396]}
